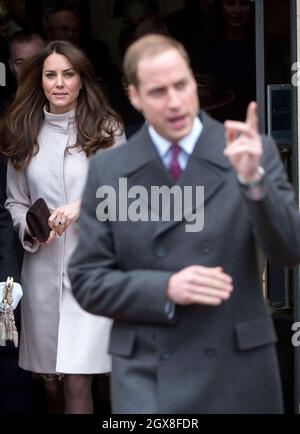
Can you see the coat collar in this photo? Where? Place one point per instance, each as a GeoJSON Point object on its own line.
{"type": "Point", "coordinates": [209, 148]}
{"type": "Point", "coordinates": [207, 165]}
{"type": "Point", "coordinates": [63, 121]}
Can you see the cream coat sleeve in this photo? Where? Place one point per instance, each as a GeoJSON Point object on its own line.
{"type": "Point", "coordinates": [18, 202]}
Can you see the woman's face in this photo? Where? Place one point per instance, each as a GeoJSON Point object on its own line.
{"type": "Point", "coordinates": [236, 12]}
{"type": "Point", "coordinates": [61, 83]}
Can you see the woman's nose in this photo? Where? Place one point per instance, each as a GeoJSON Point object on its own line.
{"type": "Point", "coordinates": [59, 81]}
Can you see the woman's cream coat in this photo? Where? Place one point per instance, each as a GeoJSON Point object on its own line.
{"type": "Point", "coordinates": [57, 335]}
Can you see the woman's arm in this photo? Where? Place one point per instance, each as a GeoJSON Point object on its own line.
{"type": "Point", "coordinates": [18, 202]}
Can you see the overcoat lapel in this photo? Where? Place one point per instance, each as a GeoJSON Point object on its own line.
{"type": "Point", "coordinates": [207, 166]}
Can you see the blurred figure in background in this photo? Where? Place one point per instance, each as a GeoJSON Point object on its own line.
{"type": "Point", "coordinates": [13, 19]}
{"type": "Point", "coordinates": [22, 46]}
{"type": "Point", "coordinates": [234, 55]}
{"type": "Point", "coordinates": [65, 25]}
{"type": "Point", "coordinates": [197, 20]}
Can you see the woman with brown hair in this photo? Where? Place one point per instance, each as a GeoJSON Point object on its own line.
{"type": "Point", "coordinates": [59, 118]}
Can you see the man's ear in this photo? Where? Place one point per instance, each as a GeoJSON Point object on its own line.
{"type": "Point", "coordinates": [134, 97]}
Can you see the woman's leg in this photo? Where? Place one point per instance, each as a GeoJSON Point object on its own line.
{"type": "Point", "coordinates": [78, 394]}
{"type": "Point", "coordinates": [102, 394]}
{"type": "Point", "coordinates": [54, 395]}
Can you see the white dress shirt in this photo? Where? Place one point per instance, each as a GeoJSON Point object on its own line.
{"type": "Point", "coordinates": [187, 145]}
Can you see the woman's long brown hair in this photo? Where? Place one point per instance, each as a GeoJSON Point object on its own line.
{"type": "Point", "coordinates": [97, 123]}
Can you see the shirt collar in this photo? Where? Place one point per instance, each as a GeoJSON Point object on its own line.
{"type": "Point", "coordinates": [62, 121]}
{"type": "Point", "coordinates": [188, 143]}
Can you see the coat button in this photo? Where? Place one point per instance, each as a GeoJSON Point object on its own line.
{"type": "Point", "coordinates": [205, 248]}
{"type": "Point", "coordinates": [160, 252]}
{"type": "Point", "coordinates": [165, 355]}
{"type": "Point", "coordinates": [210, 352]}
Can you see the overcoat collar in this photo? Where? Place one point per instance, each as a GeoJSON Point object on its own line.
{"type": "Point", "coordinates": [207, 165]}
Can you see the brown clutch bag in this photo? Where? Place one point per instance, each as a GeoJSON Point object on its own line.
{"type": "Point", "coordinates": [37, 220]}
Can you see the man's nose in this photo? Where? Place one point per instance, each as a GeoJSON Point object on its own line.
{"type": "Point", "coordinates": [237, 6]}
{"type": "Point", "coordinates": [70, 34]}
{"type": "Point", "coordinates": [174, 99]}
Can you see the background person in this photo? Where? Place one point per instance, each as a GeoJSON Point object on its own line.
{"type": "Point", "coordinates": [22, 46]}
{"type": "Point", "coordinates": [66, 25]}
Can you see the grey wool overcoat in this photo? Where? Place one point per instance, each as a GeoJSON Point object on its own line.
{"type": "Point", "coordinates": [203, 359]}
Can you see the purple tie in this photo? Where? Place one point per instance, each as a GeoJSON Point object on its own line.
{"type": "Point", "coordinates": [175, 170]}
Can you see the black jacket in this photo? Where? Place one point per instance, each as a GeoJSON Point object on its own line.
{"type": "Point", "coordinates": [8, 258]}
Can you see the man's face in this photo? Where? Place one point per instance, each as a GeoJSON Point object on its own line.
{"type": "Point", "coordinates": [167, 94]}
{"type": "Point", "coordinates": [21, 51]}
{"type": "Point", "coordinates": [206, 6]}
{"type": "Point", "coordinates": [65, 26]}
{"type": "Point", "coordinates": [236, 12]}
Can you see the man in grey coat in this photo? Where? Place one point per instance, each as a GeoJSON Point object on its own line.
{"type": "Point", "coordinates": [191, 332]}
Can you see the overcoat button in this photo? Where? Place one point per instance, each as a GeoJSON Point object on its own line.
{"type": "Point", "coordinates": [160, 252]}
{"type": "Point", "coordinates": [165, 355]}
{"type": "Point", "coordinates": [210, 352]}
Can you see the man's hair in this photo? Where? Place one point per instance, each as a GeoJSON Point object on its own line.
{"type": "Point", "coordinates": [149, 46]}
{"type": "Point", "coordinates": [23, 37]}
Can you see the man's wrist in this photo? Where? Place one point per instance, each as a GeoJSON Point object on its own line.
{"type": "Point", "coordinates": [254, 189]}
{"type": "Point", "coordinates": [253, 182]}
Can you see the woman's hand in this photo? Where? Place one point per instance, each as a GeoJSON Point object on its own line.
{"type": "Point", "coordinates": [51, 237]}
{"type": "Point", "coordinates": [62, 217]}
